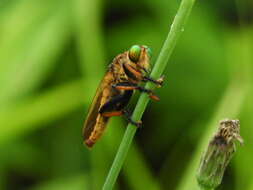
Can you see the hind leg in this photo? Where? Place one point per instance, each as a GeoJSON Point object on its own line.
{"type": "Point", "coordinates": [116, 107]}
{"type": "Point", "coordinates": [132, 86]}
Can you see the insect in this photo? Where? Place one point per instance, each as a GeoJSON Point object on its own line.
{"type": "Point", "coordinates": [123, 76]}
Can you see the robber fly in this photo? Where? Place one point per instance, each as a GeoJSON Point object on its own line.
{"type": "Point", "coordinates": [115, 90]}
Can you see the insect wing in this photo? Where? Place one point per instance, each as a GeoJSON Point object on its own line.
{"type": "Point", "coordinates": [93, 112]}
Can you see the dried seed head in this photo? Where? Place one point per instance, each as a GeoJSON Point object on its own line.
{"type": "Point", "coordinates": [229, 130]}
{"type": "Point", "coordinates": [218, 154]}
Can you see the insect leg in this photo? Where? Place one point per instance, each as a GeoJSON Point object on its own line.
{"type": "Point", "coordinates": [125, 113]}
{"type": "Point", "coordinates": [158, 82]}
{"type": "Point", "coordinates": [112, 113]}
{"type": "Point", "coordinates": [132, 72]}
{"type": "Point", "coordinates": [135, 74]}
{"type": "Point", "coordinates": [115, 107]}
{"type": "Point", "coordinates": [125, 86]}
{"type": "Point", "coordinates": [149, 92]}
{"type": "Point", "coordinates": [116, 104]}
{"type": "Point", "coordinates": [131, 86]}
{"type": "Point", "coordinates": [129, 119]}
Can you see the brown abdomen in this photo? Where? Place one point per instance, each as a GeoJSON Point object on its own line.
{"type": "Point", "coordinates": [98, 130]}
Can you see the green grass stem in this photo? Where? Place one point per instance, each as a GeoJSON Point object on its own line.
{"type": "Point", "coordinates": [230, 104]}
{"type": "Point", "coordinates": [177, 28]}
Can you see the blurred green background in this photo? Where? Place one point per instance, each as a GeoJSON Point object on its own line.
{"type": "Point", "coordinates": [53, 54]}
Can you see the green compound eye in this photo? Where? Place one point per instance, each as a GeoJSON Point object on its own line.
{"type": "Point", "coordinates": [134, 53]}
{"type": "Point", "coordinates": [149, 51]}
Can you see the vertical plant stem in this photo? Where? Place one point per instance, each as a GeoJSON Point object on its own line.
{"type": "Point", "coordinates": [177, 28]}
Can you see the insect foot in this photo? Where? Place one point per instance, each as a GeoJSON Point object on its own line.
{"type": "Point", "coordinates": [129, 119]}
{"type": "Point", "coordinates": [138, 124]}
{"type": "Point", "coordinates": [160, 81]}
